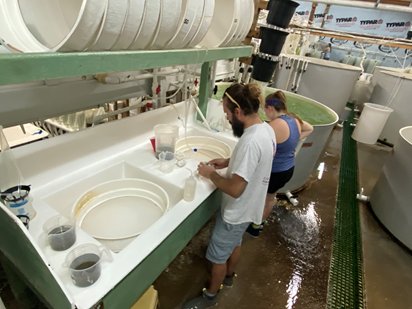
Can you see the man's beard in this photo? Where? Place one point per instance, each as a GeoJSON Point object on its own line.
{"type": "Point", "coordinates": [238, 127]}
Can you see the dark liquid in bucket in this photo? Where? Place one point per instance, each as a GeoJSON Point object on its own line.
{"type": "Point", "coordinates": [159, 150]}
{"type": "Point", "coordinates": [85, 269]}
{"type": "Point", "coordinates": [62, 237]}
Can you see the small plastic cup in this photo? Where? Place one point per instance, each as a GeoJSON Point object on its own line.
{"type": "Point", "coordinates": [84, 264]}
{"type": "Point", "coordinates": [167, 162]}
{"type": "Point", "coordinates": [60, 232]}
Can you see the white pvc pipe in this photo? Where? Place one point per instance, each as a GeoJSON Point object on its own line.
{"type": "Point", "coordinates": [366, 5]}
{"type": "Point", "coordinates": [291, 199]}
{"type": "Point", "coordinates": [290, 74]}
{"type": "Point", "coordinates": [125, 79]}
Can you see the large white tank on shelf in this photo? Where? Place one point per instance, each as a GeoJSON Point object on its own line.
{"type": "Point", "coordinates": [320, 116]}
{"type": "Point", "coordinates": [327, 82]}
{"type": "Point", "coordinates": [395, 87]}
{"type": "Point", "coordinates": [392, 195]}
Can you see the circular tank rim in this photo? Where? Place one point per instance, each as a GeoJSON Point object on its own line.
{"type": "Point", "coordinates": [302, 97]}
{"type": "Point", "coordinates": [401, 132]}
{"type": "Point", "coordinates": [328, 63]}
{"type": "Point", "coordinates": [402, 75]}
{"type": "Point", "coordinates": [312, 101]}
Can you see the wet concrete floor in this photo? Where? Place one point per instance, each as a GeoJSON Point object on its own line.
{"type": "Point", "coordinates": [286, 267]}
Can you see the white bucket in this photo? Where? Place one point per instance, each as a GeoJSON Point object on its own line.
{"type": "Point", "coordinates": [63, 25]}
{"type": "Point", "coordinates": [207, 17]}
{"type": "Point", "coordinates": [132, 26]}
{"type": "Point", "coordinates": [116, 212]}
{"type": "Point", "coordinates": [371, 123]}
{"type": "Point", "coordinates": [113, 21]}
{"type": "Point", "coordinates": [168, 22]}
{"type": "Point", "coordinates": [149, 28]}
{"type": "Point", "coordinates": [223, 19]}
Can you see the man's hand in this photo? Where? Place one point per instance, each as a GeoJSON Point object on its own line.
{"type": "Point", "coordinates": [219, 163]}
{"type": "Point", "coordinates": [205, 170]}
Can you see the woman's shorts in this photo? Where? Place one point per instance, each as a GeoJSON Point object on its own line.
{"type": "Point", "coordinates": [279, 180]}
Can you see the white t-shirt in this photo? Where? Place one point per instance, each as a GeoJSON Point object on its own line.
{"type": "Point", "coordinates": [251, 160]}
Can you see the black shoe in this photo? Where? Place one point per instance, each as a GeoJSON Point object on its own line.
{"type": "Point", "coordinates": [228, 281]}
{"type": "Point", "coordinates": [254, 232]}
{"type": "Point", "coordinates": [201, 302]}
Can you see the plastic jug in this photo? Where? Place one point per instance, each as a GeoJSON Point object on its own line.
{"type": "Point", "coordinates": [84, 264]}
{"type": "Point", "coordinates": [166, 136]}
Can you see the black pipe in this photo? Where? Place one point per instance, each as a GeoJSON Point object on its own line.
{"type": "Point", "coordinates": [281, 12]}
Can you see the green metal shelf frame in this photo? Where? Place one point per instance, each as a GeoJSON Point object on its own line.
{"type": "Point", "coordinates": [21, 68]}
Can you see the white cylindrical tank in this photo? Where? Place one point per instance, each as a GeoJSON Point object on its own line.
{"type": "Point", "coordinates": [378, 71]}
{"type": "Point", "coordinates": [389, 87]}
{"type": "Point", "coordinates": [327, 82]}
{"type": "Point", "coordinates": [312, 147]}
{"type": "Point", "coordinates": [392, 195]}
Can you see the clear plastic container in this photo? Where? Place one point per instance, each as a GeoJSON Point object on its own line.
{"type": "Point", "coordinates": [84, 264]}
{"type": "Point", "coordinates": [190, 188]}
{"type": "Point", "coordinates": [167, 162]}
{"type": "Point", "coordinates": [60, 232]}
{"type": "Point", "coordinates": [166, 136]}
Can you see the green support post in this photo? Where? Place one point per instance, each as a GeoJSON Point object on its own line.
{"type": "Point", "coordinates": [204, 90]}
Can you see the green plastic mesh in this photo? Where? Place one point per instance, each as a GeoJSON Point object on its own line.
{"type": "Point", "coordinates": [345, 288]}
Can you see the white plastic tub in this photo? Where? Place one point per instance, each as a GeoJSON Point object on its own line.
{"type": "Point", "coordinates": [116, 212]}
{"type": "Point", "coordinates": [207, 148]}
{"type": "Point", "coordinates": [237, 24]}
{"type": "Point", "coordinates": [207, 16]}
{"type": "Point", "coordinates": [392, 195]}
{"type": "Point", "coordinates": [192, 9]}
{"type": "Point", "coordinates": [371, 123]}
{"type": "Point", "coordinates": [223, 19]}
{"type": "Point", "coordinates": [168, 23]}
{"type": "Point", "coordinates": [63, 25]}
{"type": "Point", "coordinates": [113, 22]}
{"type": "Point", "coordinates": [132, 24]}
{"type": "Point", "coordinates": [149, 27]}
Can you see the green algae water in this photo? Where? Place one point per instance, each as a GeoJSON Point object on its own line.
{"type": "Point", "coordinates": [306, 109]}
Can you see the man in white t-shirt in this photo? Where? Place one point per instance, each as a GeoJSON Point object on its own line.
{"type": "Point", "coordinates": [244, 187]}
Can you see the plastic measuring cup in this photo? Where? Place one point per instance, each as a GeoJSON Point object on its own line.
{"type": "Point", "coordinates": [167, 162]}
{"type": "Point", "coordinates": [61, 233]}
{"type": "Point", "coordinates": [166, 136]}
{"type": "Point", "coordinates": [84, 264]}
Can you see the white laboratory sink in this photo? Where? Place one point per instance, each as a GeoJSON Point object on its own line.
{"type": "Point", "coordinates": [63, 200]}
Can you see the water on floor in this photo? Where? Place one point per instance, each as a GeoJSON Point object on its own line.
{"type": "Point", "coordinates": [286, 267]}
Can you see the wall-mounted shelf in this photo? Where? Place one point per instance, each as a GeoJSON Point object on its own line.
{"type": "Point", "coordinates": [21, 68]}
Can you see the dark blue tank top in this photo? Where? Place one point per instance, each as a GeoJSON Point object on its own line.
{"type": "Point", "coordinates": [284, 158]}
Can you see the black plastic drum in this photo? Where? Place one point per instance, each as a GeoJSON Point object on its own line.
{"type": "Point", "coordinates": [281, 12]}
{"type": "Point", "coordinates": [272, 40]}
{"type": "Point", "coordinates": [263, 69]}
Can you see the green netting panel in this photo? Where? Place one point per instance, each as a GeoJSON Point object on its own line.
{"type": "Point", "coordinates": [346, 270]}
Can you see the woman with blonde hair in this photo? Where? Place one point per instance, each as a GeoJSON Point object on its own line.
{"type": "Point", "coordinates": [289, 130]}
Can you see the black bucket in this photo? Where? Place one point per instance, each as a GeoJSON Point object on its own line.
{"type": "Point", "coordinates": [281, 12]}
{"type": "Point", "coordinates": [263, 69]}
{"type": "Point", "coordinates": [272, 41]}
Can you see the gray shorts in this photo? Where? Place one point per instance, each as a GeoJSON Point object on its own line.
{"type": "Point", "coordinates": [225, 238]}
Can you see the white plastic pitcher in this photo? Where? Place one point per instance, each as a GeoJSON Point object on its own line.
{"type": "Point", "coordinates": [371, 123]}
{"type": "Point", "coordinates": [166, 136]}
